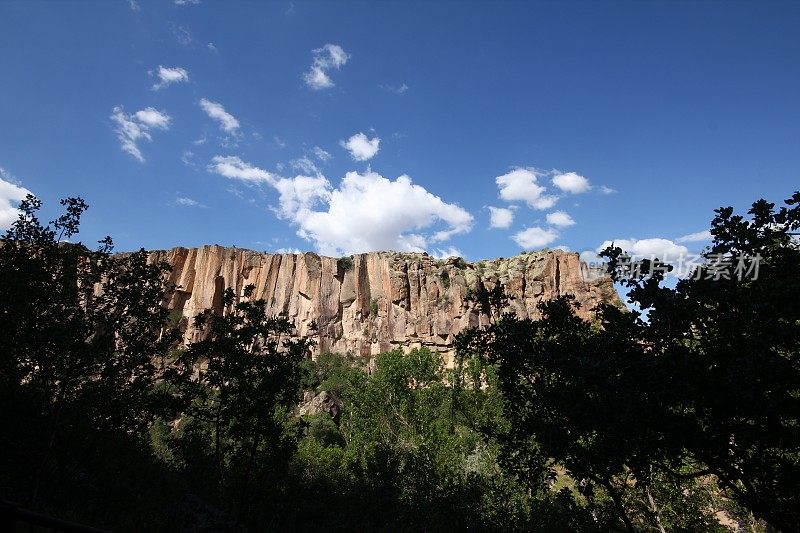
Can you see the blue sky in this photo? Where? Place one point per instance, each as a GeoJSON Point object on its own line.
{"type": "Point", "coordinates": [290, 125]}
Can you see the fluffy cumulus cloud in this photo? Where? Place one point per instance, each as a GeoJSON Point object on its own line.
{"type": "Point", "coordinates": [10, 195]}
{"type": "Point", "coordinates": [366, 212]}
{"type": "Point", "coordinates": [535, 237]}
{"type": "Point", "coordinates": [216, 112]}
{"type": "Point", "coordinates": [700, 236]}
{"type": "Point", "coordinates": [521, 184]}
{"type": "Point", "coordinates": [571, 182]}
{"type": "Point", "coordinates": [560, 219]}
{"type": "Point", "coordinates": [330, 56]}
{"type": "Point", "coordinates": [167, 76]}
{"type": "Point", "coordinates": [361, 147]}
{"type": "Point", "coordinates": [131, 129]}
{"type": "Point", "coordinates": [500, 217]}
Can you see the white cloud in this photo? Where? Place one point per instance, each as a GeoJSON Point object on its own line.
{"type": "Point", "coordinates": [521, 185]}
{"type": "Point", "coordinates": [299, 194]}
{"type": "Point", "coordinates": [663, 249]}
{"type": "Point", "coordinates": [134, 5]}
{"type": "Point", "coordinates": [167, 76]}
{"type": "Point", "coordinates": [131, 129]}
{"type": "Point", "coordinates": [212, 47]}
{"type": "Point", "coordinates": [605, 189]}
{"type": "Point", "coordinates": [369, 212]}
{"type": "Point", "coordinates": [501, 217]}
{"type": "Point", "coordinates": [10, 194]}
{"type": "Point", "coordinates": [560, 219]}
{"type": "Point", "coordinates": [234, 168]}
{"type": "Point", "coordinates": [699, 236]}
{"type": "Point", "coordinates": [187, 202]}
{"type": "Point", "coordinates": [304, 164]}
{"type": "Point", "coordinates": [571, 182]}
{"type": "Point", "coordinates": [450, 251]}
{"type": "Point", "coordinates": [534, 237]}
{"type": "Point", "coordinates": [216, 111]}
{"type": "Point", "coordinates": [330, 56]}
{"type": "Point", "coordinates": [321, 154]}
{"type": "Point", "coordinates": [294, 251]}
{"type": "Point", "coordinates": [187, 158]}
{"type": "Point", "coordinates": [182, 34]}
{"type": "Point", "coordinates": [187, 2]}
{"type": "Point", "coordinates": [657, 248]}
{"type": "Point", "coordinates": [357, 216]}
{"type": "Point", "coordinates": [153, 118]}
{"type": "Point", "coordinates": [360, 147]}
{"type": "Point", "coordinates": [397, 89]}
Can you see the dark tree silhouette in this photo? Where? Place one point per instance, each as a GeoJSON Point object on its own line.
{"type": "Point", "coordinates": [706, 384]}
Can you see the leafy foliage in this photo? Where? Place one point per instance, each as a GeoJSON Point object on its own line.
{"type": "Point", "coordinates": [81, 332]}
{"type": "Point", "coordinates": [344, 264]}
{"type": "Point", "coordinates": [705, 387]}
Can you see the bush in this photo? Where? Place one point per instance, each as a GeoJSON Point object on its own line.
{"type": "Point", "coordinates": [344, 264]}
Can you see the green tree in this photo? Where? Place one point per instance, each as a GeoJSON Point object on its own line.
{"type": "Point", "coordinates": [81, 332]}
{"type": "Point", "coordinates": [247, 377]}
{"type": "Point", "coordinates": [707, 384]}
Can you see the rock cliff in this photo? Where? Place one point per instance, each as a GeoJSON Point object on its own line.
{"type": "Point", "coordinates": [370, 303]}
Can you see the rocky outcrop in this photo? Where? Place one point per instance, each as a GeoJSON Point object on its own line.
{"type": "Point", "coordinates": [370, 303]}
{"type": "Point", "coordinates": [325, 402]}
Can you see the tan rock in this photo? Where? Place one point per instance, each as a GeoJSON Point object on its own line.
{"type": "Point", "coordinates": [387, 299]}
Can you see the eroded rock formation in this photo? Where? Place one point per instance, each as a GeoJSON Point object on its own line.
{"type": "Point", "coordinates": [374, 302]}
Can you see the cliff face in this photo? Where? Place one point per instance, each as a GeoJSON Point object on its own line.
{"type": "Point", "coordinates": [378, 301]}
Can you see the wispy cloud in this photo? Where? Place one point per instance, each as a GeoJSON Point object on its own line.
{"type": "Point", "coordinates": [130, 129]}
{"type": "Point", "coordinates": [321, 154]}
{"type": "Point", "coordinates": [305, 164]}
{"type": "Point", "coordinates": [182, 34]}
{"type": "Point", "coordinates": [700, 236]}
{"type": "Point", "coordinates": [186, 2]}
{"type": "Point", "coordinates": [168, 76]}
{"type": "Point", "coordinates": [397, 89]}
{"type": "Point", "coordinates": [216, 112]}
{"type": "Point", "coordinates": [184, 201]}
{"type": "Point", "coordinates": [330, 56]}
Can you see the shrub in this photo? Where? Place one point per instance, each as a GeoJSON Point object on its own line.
{"type": "Point", "coordinates": [344, 264]}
